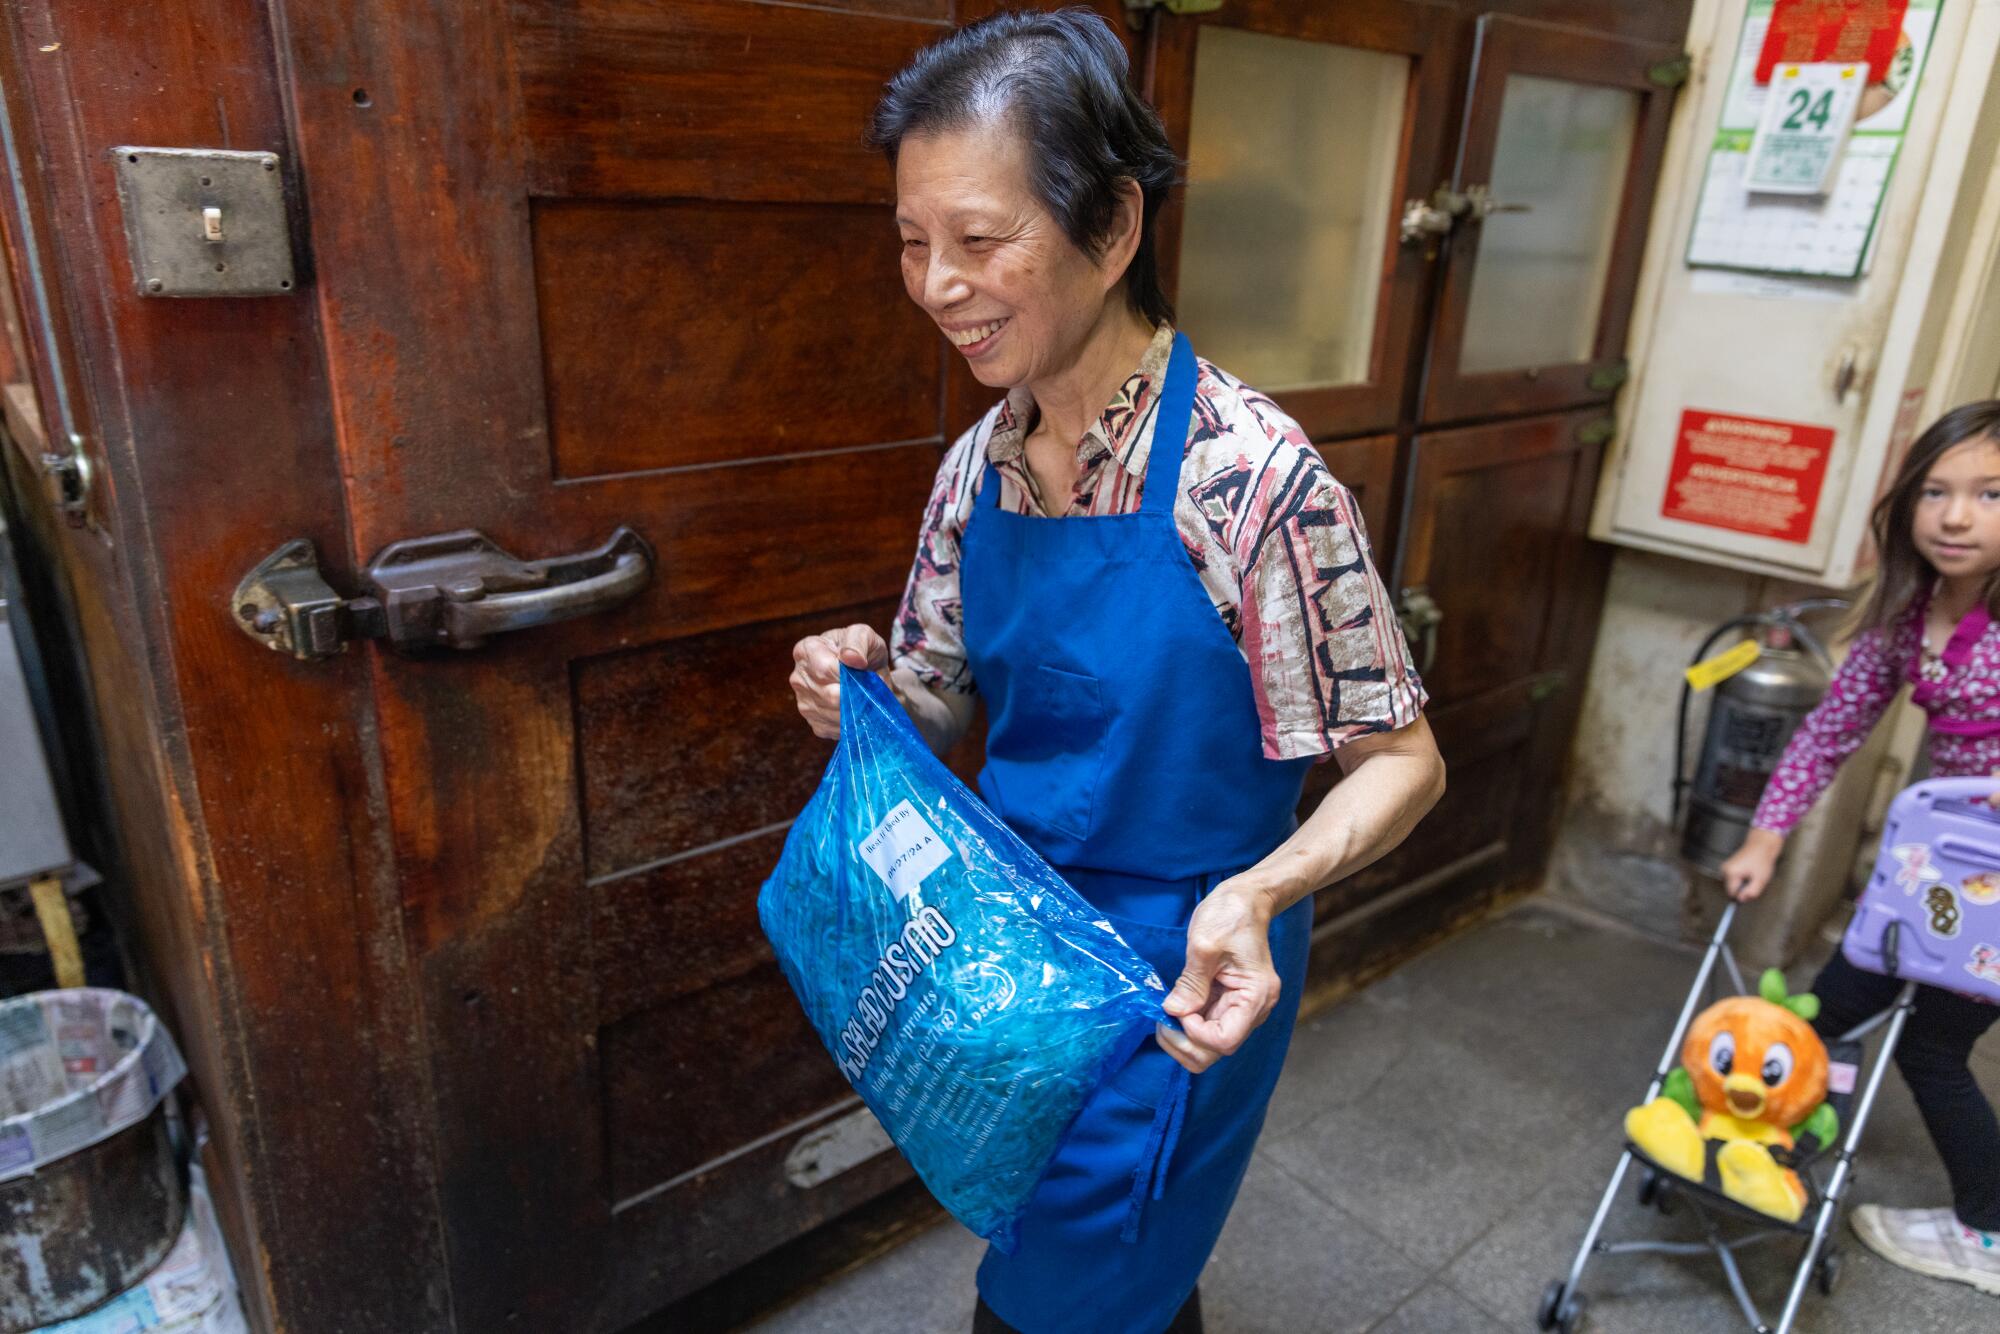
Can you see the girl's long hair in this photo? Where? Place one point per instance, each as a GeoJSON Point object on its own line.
{"type": "Point", "coordinates": [1903, 573]}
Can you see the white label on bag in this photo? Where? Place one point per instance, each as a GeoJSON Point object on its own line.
{"type": "Point", "coordinates": [904, 849]}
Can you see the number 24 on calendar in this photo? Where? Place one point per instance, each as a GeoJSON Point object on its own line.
{"type": "Point", "coordinates": [1808, 115]}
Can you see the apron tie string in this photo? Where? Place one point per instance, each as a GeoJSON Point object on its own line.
{"type": "Point", "coordinates": [1149, 1177]}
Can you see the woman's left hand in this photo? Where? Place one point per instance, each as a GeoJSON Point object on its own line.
{"type": "Point", "coordinates": [1229, 985]}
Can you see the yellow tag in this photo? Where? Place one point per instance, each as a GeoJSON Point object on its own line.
{"type": "Point", "coordinates": [1713, 671]}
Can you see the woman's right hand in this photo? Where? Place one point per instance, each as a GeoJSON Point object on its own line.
{"type": "Point", "coordinates": [1750, 867]}
{"type": "Point", "coordinates": [816, 663]}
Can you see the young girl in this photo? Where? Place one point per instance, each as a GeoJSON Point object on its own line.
{"type": "Point", "coordinates": [1932, 619]}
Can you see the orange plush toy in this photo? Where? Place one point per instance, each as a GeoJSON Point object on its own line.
{"type": "Point", "coordinates": [1752, 1074]}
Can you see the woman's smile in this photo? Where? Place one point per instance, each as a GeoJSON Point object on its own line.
{"type": "Point", "coordinates": [976, 340]}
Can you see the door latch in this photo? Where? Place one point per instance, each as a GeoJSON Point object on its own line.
{"type": "Point", "coordinates": [204, 221]}
{"type": "Point", "coordinates": [66, 480]}
{"type": "Point", "coordinates": [1427, 219]}
{"type": "Point", "coordinates": [1419, 615]}
{"type": "Point", "coordinates": [454, 590]}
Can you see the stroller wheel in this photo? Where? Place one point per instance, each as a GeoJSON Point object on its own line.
{"type": "Point", "coordinates": [1552, 1299]}
{"type": "Point", "coordinates": [1826, 1273]}
{"type": "Point", "coordinates": [1570, 1319]}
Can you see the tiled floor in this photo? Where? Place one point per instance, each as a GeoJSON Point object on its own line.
{"type": "Point", "coordinates": [1435, 1151]}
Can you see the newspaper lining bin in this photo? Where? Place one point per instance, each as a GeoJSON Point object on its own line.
{"type": "Point", "coordinates": [91, 1195]}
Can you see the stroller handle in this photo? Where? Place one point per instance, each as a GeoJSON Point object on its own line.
{"type": "Point", "coordinates": [1974, 788]}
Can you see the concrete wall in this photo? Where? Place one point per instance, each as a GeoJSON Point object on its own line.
{"type": "Point", "coordinates": [1616, 851]}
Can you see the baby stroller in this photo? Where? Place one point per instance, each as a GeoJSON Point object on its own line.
{"type": "Point", "coordinates": [1930, 913]}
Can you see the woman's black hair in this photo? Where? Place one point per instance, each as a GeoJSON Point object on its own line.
{"type": "Point", "coordinates": [1062, 81]}
{"type": "Point", "coordinates": [1903, 572]}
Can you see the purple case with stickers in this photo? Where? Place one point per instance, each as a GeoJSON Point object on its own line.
{"type": "Point", "coordinates": [1938, 876]}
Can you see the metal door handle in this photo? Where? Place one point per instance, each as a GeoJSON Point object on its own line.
{"type": "Point", "coordinates": [1481, 204]}
{"type": "Point", "coordinates": [1419, 615]}
{"type": "Point", "coordinates": [1844, 374]}
{"type": "Point", "coordinates": [1426, 219]}
{"type": "Point", "coordinates": [1422, 221]}
{"type": "Point", "coordinates": [454, 590]}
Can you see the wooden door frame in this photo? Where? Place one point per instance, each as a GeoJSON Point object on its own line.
{"type": "Point", "coordinates": [1507, 45]}
{"type": "Point", "coordinates": [1424, 32]}
{"type": "Point", "coordinates": [247, 789]}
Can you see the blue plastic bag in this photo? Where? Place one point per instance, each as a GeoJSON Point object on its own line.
{"type": "Point", "coordinates": [973, 999]}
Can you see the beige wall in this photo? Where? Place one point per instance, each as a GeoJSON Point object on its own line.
{"type": "Point", "coordinates": [1616, 851]}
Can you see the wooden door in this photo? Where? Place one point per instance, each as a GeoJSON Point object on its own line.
{"type": "Point", "coordinates": [584, 263]}
{"type": "Point", "coordinates": [1497, 535]}
{"type": "Point", "coordinates": [1564, 135]}
{"type": "Point", "coordinates": [1305, 127]}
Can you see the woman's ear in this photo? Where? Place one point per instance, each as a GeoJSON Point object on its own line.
{"type": "Point", "coordinates": [1122, 242]}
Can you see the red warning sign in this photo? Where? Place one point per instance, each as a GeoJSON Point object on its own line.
{"type": "Point", "coordinates": [1840, 32]}
{"type": "Point", "coordinates": [1747, 474]}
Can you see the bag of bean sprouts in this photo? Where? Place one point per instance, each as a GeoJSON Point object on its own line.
{"type": "Point", "coordinates": [973, 999]}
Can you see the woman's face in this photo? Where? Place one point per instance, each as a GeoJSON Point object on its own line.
{"type": "Point", "coordinates": [988, 262]}
{"type": "Point", "coordinates": [1957, 527]}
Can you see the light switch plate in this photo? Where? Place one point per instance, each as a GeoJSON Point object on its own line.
{"type": "Point", "coordinates": [164, 192]}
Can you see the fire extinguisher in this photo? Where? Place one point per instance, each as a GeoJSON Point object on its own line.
{"type": "Point", "coordinates": [1755, 711]}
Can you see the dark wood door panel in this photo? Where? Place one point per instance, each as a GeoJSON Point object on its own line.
{"type": "Point", "coordinates": [676, 1240]}
{"type": "Point", "coordinates": [674, 1111]}
{"type": "Point", "coordinates": [709, 99]}
{"type": "Point", "coordinates": [1367, 467]}
{"type": "Point", "coordinates": [683, 333]}
{"type": "Point", "coordinates": [739, 544]}
{"type": "Point", "coordinates": [1664, 21]}
{"type": "Point", "coordinates": [1492, 515]}
{"type": "Point", "coordinates": [1470, 818]}
{"type": "Point", "coordinates": [696, 741]}
{"type": "Point", "coordinates": [665, 932]}
{"type": "Point", "coordinates": [1443, 874]}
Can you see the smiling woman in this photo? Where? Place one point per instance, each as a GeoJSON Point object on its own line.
{"type": "Point", "coordinates": [1167, 606]}
{"type": "Point", "coordinates": [1047, 107]}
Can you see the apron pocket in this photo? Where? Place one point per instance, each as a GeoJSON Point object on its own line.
{"type": "Point", "coordinates": [1052, 780]}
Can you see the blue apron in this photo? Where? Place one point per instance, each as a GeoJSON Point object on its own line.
{"type": "Point", "coordinates": [1123, 743]}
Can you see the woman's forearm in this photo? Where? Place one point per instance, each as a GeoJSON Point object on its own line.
{"type": "Point", "coordinates": [943, 717]}
{"type": "Point", "coordinates": [1370, 811]}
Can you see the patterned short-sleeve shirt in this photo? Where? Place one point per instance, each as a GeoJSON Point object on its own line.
{"type": "Point", "coordinates": [1277, 542]}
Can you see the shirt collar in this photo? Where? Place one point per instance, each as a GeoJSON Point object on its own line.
{"type": "Point", "coordinates": [1119, 430]}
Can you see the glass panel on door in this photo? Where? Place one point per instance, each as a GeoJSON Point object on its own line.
{"type": "Point", "coordinates": [1293, 154]}
{"type": "Point", "coordinates": [1558, 178]}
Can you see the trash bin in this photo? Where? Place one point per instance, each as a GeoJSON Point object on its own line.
{"type": "Point", "coordinates": [91, 1193]}
{"type": "Point", "coordinates": [192, 1291]}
